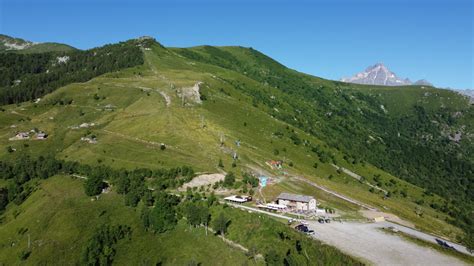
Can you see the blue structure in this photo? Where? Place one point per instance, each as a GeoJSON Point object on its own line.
{"type": "Point", "coordinates": [263, 181]}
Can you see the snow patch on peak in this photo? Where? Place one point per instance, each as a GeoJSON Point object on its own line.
{"type": "Point", "coordinates": [379, 74]}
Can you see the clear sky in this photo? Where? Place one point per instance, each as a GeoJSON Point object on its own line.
{"type": "Point", "coordinates": [431, 39]}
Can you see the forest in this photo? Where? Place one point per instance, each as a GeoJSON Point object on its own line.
{"type": "Point", "coordinates": [25, 77]}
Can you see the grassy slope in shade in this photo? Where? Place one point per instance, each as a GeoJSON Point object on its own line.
{"type": "Point", "coordinates": [60, 219]}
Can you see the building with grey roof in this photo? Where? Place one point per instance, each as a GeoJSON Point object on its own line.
{"type": "Point", "coordinates": [297, 202]}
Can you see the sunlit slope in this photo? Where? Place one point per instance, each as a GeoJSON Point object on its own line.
{"type": "Point", "coordinates": [421, 134]}
{"type": "Point", "coordinates": [134, 111]}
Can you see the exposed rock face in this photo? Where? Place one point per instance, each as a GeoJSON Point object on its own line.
{"type": "Point", "coordinates": [379, 74]}
{"type": "Point", "coordinates": [8, 43]}
{"type": "Point", "coordinates": [190, 95]}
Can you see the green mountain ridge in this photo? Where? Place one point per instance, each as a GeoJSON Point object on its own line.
{"type": "Point", "coordinates": [167, 107]}
{"type": "Point", "coordinates": [18, 45]}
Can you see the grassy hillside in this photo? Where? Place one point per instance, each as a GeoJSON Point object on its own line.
{"type": "Point", "coordinates": [47, 47]}
{"type": "Point", "coordinates": [59, 219]}
{"type": "Point", "coordinates": [192, 106]}
{"type": "Point", "coordinates": [418, 133]}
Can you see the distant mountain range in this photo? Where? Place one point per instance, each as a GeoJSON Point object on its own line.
{"type": "Point", "coordinates": [379, 74]}
{"type": "Point", "coordinates": [468, 92]}
{"type": "Point", "coordinates": [18, 45]}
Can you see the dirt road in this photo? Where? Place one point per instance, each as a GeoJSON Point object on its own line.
{"type": "Point", "coordinates": [368, 242]}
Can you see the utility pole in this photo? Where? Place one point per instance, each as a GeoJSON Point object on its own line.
{"type": "Point", "coordinates": [222, 138]}
{"type": "Point", "coordinates": [203, 125]}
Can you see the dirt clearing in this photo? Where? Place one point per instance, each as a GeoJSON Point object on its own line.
{"type": "Point", "coordinates": [388, 216]}
{"type": "Point", "coordinates": [203, 180]}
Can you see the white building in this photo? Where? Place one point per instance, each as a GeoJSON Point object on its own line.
{"type": "Point", "coordinates": [297, 202]}
{"type": "Point", "coordinates": [238, 199]}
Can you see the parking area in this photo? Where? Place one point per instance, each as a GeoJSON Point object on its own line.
{"type": "Point", "coordinates": [368, 242]}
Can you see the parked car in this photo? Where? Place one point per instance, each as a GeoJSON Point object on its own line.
{"type": "Point", "coordinates": [444, 244]}
{"type": "Point", "coordinates": [302, 228]}
{"type": "Point", "coordinates": [310, 232]}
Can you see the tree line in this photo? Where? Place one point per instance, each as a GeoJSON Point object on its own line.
{"type": "Point", "coordinates": [21, 174]}
{"type": "Point", "coordinates": [25, 77]}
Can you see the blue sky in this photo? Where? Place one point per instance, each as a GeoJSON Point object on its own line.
{"type": "Point", "coordinates": [431, 39]}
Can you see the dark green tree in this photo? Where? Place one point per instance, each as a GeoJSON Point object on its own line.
{"type": "Point", "coordinates": [272, 258]}
{"type": "Point", "coordinates": [163, 216]}
{"type": "Point", "coordinates": [93, 185]}
{"type": "Point", "coordinates": [220, 224]}
{"type": "Point", "coordinates": [229, 179]}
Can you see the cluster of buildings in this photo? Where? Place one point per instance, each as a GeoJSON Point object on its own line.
{"type": "Point", "coordinates": [91, 140]}
{"type": "Point", "coordinates": [275, 164]}
{"type": "Point", "coordinates": [284, 202]}
{"type": "Point", "coordinates": [83, 125]}
{"type": "Point", "coordinates": [25, 135]}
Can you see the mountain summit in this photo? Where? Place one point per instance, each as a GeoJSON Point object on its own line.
{"type": "Point", "coordinates": [379, 74]}
{"type": "Point", "coordinates": [18, 45]}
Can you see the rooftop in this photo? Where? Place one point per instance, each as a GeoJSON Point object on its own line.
{"type": "Point", "coordinates": [295, 197]}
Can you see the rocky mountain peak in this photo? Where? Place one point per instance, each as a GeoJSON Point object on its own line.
{"type": "Point", "coordinates": [379, 74]}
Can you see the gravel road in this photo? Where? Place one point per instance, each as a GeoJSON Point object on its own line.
{"type": "Point", "coordinates": [366, 241]}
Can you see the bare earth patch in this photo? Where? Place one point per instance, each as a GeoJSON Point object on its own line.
{"type": "Point", "coordinates": [203, 180]}
{"type": "Point", "coordinates": [191, 94]}
{"type": "Point", "coordinates": [388, 216]}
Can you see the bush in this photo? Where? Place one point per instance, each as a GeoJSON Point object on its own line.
{"type": "Point", "coordinates": [93, 185]}
{"type": "Point", "coordinates": [100, 249]}
{"type": "Point", "coordinates": [24, 254]}
{"type": "Point", "coordinates": [221, 223]}
{"type": "Point", "coordinates": [273, 258]}
{"type": "Point", "coordinates": [229, 180]}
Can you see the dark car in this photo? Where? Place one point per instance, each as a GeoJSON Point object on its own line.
{"type": "Point", "coordinates": [444, 244]}
{"type": "Point", "coordinates": [302, 228]}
